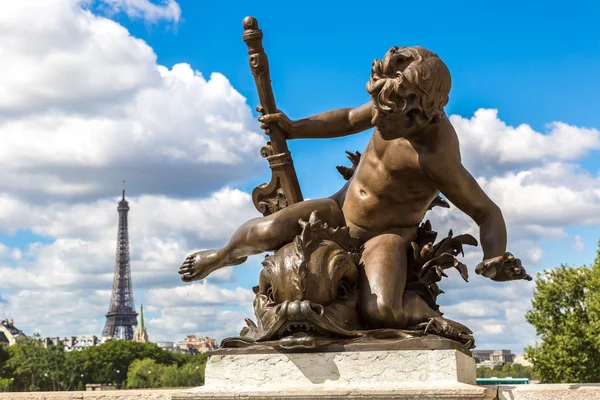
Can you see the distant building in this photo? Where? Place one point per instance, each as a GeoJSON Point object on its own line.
{"type": "Point", "coordinates": [191, 345]}
{"type": "Point", "coordinates": [492, 357]}
{"type": "Point", "coordinates": [502, 357]}
{"type": "Point", "coordinates": [140, 334]}
{"type": "Point", "coordinates": [74, 343]}
{"type": "Point", "coordinates": [481, 355]}
{"type": "Point", "coordinates": [521, 360]}
{"type": "Point", "coordinates": [172, 347]}
{"type": "Point", "coordinates": [95, 387]}
{"type": "Point", "coordinates": [195, 344]}
{"type": "Point", "coordinates": [9, 334]}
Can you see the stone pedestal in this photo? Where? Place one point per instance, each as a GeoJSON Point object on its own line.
{"type": "Point", "coordinates": [373, 374]}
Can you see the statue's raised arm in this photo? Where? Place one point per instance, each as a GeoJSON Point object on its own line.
{"type": "Point", "coordinates": [329, 124]}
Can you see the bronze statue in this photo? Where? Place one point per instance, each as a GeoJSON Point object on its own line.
{"type": "Point", "coordinates": [386, 265]}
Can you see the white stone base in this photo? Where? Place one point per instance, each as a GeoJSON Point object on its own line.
{"type": "Point", "coordinates": [397, 374]}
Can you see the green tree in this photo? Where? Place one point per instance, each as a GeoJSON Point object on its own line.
{"type": "Point", "coordinates": [35, 367]}
{"type": "Point", "coordinates": [110, 361]}
{"type": "Point", "coordinates": [70, 375]}
{"type": "Point", "coordinates": [508, 369]}
{"type": "Point", "coordinates": [26, 363]}
{"type": "Point", "coordinates": [144, 373]}
{"type": "Point", "coordinates": [565, 313]}
{"type": "Point", "coordinates": [4, 356]}
{"type": "Point", "coordinates": [190, 375]}
{"type": "Point", "coordinates": [29, 366]}
{"type": "Point", "coordinates": [6, 384]}
{"type": "Point", "coordinates": [147, 373]}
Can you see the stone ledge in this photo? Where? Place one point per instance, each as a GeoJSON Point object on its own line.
{"type": "Point", "coordinates": [152, 394]}
{"type": "Point", "coordinates": [449, 391]}
{"type": "Point", "coordinates": [567, 391]}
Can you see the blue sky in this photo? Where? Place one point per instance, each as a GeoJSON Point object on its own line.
{"type": "Point", "coordinates": [90, 99]}
{"type": "Point", "coordinates": [523, 58]}
{"type": "Point", "coordinates": [535, 62]}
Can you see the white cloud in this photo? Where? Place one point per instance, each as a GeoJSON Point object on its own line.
{"type": "Point", "coordinates": [554, 194]}
{"type": "Point", "coordinates": [167, 10]}
{"type": "Point", "coordinates": [83, 105]}
{"type": "Point", "coordinates": [493, 329]}
{"type": "Point", "coordinates": [579, 244]}
{"type": "Point", "coordinates": [535, 254]}
{"type": "Point", "coordinates": [7, 252]}
{"type": "Point", "coordinates": [57, 312]}
{"type": "Point", "coordinates": [469, 309]}
{"type": "Point", "coordinates": [198, 294]}
{"type": "Point", "coordinates": [68, 60]}
{"type": "Point", "coordinates": [489, 145]}
{"type": "Point", "coordinates": [173, 323]}
{"type": "Point", "coordinates": [162, 232]}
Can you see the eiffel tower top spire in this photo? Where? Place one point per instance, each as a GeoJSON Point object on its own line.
{"type": "Point", "coordinates": [121, 316]}
{"type": "Point", "coordinates": [123, 204]}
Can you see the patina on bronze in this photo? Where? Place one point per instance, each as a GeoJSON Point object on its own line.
{"type": "Point", "coordinates": [361, 264]}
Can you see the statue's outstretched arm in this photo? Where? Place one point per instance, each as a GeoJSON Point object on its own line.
{"type": "Point", "coordinates": [457, 184]}
{"type": "Point", "coordinates": [330, 124]}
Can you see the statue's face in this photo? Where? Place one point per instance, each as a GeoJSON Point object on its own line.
{"type": "Point", "coordinates": [297, 309]}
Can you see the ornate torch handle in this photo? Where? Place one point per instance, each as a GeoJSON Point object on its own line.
{"type": "Point", "coordinates": [284, 188]}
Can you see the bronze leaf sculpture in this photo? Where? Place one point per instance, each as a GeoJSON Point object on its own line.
{"type": "Point", "coordinates": [361, 264]}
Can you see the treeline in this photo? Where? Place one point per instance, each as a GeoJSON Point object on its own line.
{"type": "Point", "coordinates": [507, 370]}
{"type": "Point", "coordinates": [29, 366]}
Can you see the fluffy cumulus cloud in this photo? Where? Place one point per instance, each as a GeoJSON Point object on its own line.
{"type": "Point", "coordinates": [534, 177]}
{"type": "Point", "coordinates": [83, 105]}
{"type": "Point", "coordinates": [490, 146]}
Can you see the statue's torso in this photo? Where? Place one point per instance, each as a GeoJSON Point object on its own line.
{"type": "Point", "coordinates": [389, 190]}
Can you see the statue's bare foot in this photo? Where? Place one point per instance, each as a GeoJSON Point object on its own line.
{"type": "Point", "coordinates": [200, 264]}
{"type": "Point", "coordinates": [449, 329]}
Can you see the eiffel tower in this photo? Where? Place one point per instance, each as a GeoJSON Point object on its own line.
{"type": "Point", "coordinates": [121, 317]}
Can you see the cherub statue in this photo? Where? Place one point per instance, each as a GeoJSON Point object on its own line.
{"type": "Point", "coordinates": [412, 157]}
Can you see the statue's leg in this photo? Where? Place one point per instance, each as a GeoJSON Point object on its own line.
{"type": "Point", "coordinates": [260, 235]}
{"type": "Point", "coordinates": [383, 300]}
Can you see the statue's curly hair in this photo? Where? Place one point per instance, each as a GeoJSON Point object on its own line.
{"type": "Point", "coordinates": [411, 80]}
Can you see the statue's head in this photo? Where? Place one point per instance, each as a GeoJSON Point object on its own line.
{"type": "Point", "coordinates": [308, 288]}
{"type": "Point", "coordinates": [410, 86]}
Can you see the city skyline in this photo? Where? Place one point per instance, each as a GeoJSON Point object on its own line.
{"type": "Point", "coordinates": [163, 94]}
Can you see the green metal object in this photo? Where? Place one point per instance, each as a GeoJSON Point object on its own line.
{"type": "Point", "coordinates": [502, 381]}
